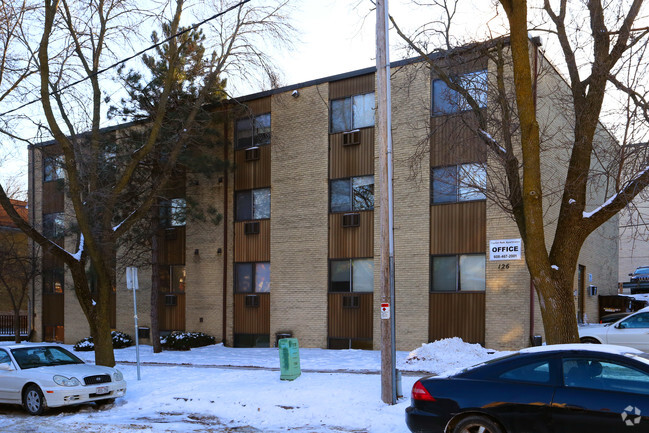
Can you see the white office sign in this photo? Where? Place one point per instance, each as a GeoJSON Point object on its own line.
{"type": "Point", "coordinates": [505, 249]}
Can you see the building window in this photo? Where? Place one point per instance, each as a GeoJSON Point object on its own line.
{"type": "Point", "coordinates": [53, 225]}
{"type": "Point", "coordinates": [457, 273]}
{"type": "Point", "coordinates": [448, 101]}
{"type": "Point", "coordinates": [253, 204]}
{"type": "Point", "coordinates": [53, 168]}
{"type": "Point", "coordinates": [252, 277]}
{"type": "Point", "coordinates": [53, 280]}
{"type": "Point", "coordinates": [352, 113]}
{"type": "Point", "coordinates": [253, 131]}
{"type": "Point", "coordinates": [466, 182]}
{"type": "Point", "coordinates": [352, 194]}
{"type": "Point", "coordinates": [172, 279]}
{"type": "Point", "coordinates": [173, 213]}
{"type": "Point", "coordinates": [351, 275]}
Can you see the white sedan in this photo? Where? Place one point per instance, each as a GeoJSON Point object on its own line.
{"type": "Point", "coordinates": [42, 376]}
{"type": "Point", "coordinates": [631, 331]}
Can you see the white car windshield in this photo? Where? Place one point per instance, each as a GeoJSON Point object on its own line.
{"type": "Point", "coordinates": [32, 357]}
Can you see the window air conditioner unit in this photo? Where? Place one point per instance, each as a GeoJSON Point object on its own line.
{"type": "Point", "coordinates": [351, 220]}
{"type": "Point", "coordinates": [351, 138]}
{"type": "Point", "coordinates": [252, 301]}
{"type": "Point", "coordinates": [252, 154]}
{"type": "Point", "coordinates": [251, 228]}
{"type": "Point", "coordinates": [171, 300]}
{"type": "Point", "coordinates": [351, 301]}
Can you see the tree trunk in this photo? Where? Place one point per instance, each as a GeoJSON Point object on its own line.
{"type": "Point", "coordinates": [17, 325]}
{"type": "Point", "coordinates": [557, 310]}
{"type": "Point", "coordinates": [104, 354]}
{"type": "Point", "coordinates": [155, 281]}
{"type": "Point", "coordinates": [97, 311]}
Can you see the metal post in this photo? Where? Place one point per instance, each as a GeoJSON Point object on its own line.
{"type": "Point", "coordinates": [132, 284]}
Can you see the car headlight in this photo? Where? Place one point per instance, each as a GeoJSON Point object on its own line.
{"type": "Point", "coordinates": [66, 381]}
{"type": "Point", "coordinates": [117, 376]}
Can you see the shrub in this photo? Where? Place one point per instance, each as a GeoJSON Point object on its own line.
{"type": "Point", "coordinates": [186, 340]}
{"type": "Point", "coordinates": [120, 340]}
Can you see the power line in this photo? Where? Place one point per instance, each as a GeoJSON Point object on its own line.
{"type": "Point", "coordinates": [139, 53]}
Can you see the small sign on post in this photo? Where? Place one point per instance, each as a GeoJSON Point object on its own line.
{"type": "Point", "coordinates": [132, 284]}
{"type": "Point", "coordinates": [385, 311]}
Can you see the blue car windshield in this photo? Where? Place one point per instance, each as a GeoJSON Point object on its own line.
{"type": "Point", "coordinates": [39, 356]}
{"type": "Point", "coordinates": [641, 271]}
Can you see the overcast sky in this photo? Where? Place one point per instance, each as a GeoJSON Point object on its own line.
{"type": "Point", "coordinates": [334, 36]}
{"type": "Point", "coordinates": [338, 36]}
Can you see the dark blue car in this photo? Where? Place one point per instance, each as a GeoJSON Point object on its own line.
{"type": "Point", "coordinates": [550, 389]}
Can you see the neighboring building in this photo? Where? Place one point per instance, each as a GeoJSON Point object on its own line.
{"type": "Point", "coordinates": [297, 252]}
{"type": "Point", "coordinates": [13, 245]}
{"type": "Point", "coordinates": [634, 237]}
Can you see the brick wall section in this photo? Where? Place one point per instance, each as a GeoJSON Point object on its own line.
{"type": "Point", "coordinates": [599, 253]}
{"type": "Point", "coordinates": [508, 294]}
{"type": "Point", "coordinates": [410, 119]}
{"type": "Point", "coordinates": [204, 293]}
{"type": "Point", "coordinates": [633, 245]}
{"type": "Point", "coordinates": [35, 207]}
{"type": "Point", "coordinates": [299, 215]}
{"type": "Point", "coordinates": [75, 322]}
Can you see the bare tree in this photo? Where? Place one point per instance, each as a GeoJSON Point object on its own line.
{"type": "Point", "coordinates": [19, 268]}
{"type": "Point", "coordinates": [16, 59]}
{"type": "Point", "coordinates": [604, 55]}
{"type": "Point", "coordinates": [102, 171]}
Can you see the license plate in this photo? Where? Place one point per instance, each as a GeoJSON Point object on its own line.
{"type": "Point", "coordinates": [102, 390]}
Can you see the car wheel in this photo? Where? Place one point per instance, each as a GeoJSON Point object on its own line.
{"type": "Point", "coordinates": [33, 400]}
{"type": "Point", "coordinates": [589, 340]}
{"type": "Point", "coordinates": [477, 424]}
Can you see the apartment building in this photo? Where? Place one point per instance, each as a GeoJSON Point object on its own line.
{"type": "Point", "coordinates": [297, 250]}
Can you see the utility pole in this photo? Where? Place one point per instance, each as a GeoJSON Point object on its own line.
{"type": "Point", "coordinates": [386, 218]}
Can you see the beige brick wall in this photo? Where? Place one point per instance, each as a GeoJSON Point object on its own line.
{"type": "Point", "coordinates": [35, 206]}
{"type": "Point", "coordinates": [299, 215]}
{"type": "Point", "coordinates": [204, 293]}
{"type": "Point", "coordinates": [508, 291]}
{"type": "Point", "coordinates": [75, 322]}
{"type": "Point", "coordinates": [410, 120]}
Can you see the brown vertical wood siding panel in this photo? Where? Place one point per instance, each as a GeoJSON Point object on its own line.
{"type": "Point", "coordinates": [350, 322]}
{"type": "Point", "coordinates": [351, 86]}
{"type": "Point", "coordinates": [251, 320]}
{"type": "Point", "coordinates": [457, 315]}
{"type": "Point", "coordinates": [53, 309]}
{"type": "Point", "coordinates": [352, 160]}
{"type": "Point", "coordinates": [172, 246]}
{"type": "Point", "coordinates": [463, 64]}
{"type": "Point", "coordinates": [172, 317]}
{"type": "Point", "coordinates": [252, 174]}
{"type": "Point", "coordinates": [349, 242]}
{"type": "Point", "coordinates": [53, 197]}
{"type": "Point", "coordinates": [458, 228]}
{"type": "Point", "coordinates": [252, 248]}
{"type": "Point", "coordinates": [258, 106]}
{"type": "Point", "coordinates": [453, 141]}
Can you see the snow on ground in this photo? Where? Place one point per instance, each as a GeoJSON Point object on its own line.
{"type": "Point", "coordinates": [211, 389]}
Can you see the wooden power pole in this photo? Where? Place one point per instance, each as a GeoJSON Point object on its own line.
{"type": "Point", "coordinates": [388, 373]}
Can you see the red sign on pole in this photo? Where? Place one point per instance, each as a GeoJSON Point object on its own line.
{"type": "Point", "coordinates": [385, 311]}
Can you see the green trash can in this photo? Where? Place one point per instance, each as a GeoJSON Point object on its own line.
{"type": "Point", "coordinates": [289, 359]}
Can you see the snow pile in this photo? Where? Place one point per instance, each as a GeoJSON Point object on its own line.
{"type": "Point", "coordinates": [449, 354]}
